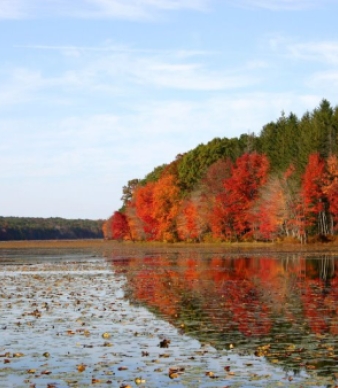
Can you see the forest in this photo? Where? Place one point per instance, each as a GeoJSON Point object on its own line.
{"type": "Point", "coordinates": [280, 185]}
{"type": "Point", "coordinates": [27, 228]}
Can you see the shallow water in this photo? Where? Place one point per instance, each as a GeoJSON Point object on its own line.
{"type": "Point", "coordinates": [78, 319]}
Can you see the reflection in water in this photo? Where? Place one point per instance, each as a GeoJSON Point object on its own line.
{"type": "Point", "coordinates": [285, 309]}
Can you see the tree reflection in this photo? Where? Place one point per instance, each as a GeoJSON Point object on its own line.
{"type": "Point", "coordinates": [285, 309]}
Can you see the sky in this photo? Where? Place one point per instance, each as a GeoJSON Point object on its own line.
{"type": "Point", "coordinates": [94, 93]}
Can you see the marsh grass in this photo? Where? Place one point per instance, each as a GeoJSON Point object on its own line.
{"type": "Point", "coordinates": [101, 246]}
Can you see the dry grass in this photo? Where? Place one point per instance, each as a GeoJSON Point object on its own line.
{"type": "Point", "coordinates": [53, 244]}
{"type": "Point", "coordinates": [103, 245]}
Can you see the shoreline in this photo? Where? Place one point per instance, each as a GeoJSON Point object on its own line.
{"type": "Point", "coordinates": [101, 244]}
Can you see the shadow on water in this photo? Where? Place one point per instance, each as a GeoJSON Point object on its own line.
{"type": "Point", "coordinates": [282, 308]}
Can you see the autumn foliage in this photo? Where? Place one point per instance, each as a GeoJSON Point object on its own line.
{"type": "Point", "coordinates": [246, 295]}
{"type": "Point", "coordinates": [235, 201]}
{"type": "Point", "coordinates": [233, 215]}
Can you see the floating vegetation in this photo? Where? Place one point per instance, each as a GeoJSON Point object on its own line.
{"type": "Point", "coordinates": [69, 324]}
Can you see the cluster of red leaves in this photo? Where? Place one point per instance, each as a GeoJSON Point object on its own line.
{"type": "Point", "coordinates": [234, 201]}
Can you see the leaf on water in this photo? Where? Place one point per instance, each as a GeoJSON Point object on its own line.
{"type": "Point", "coordinates": [211, 375]}
{"type": "Point", "coordinates": [310, 367]}
{"type": "Point", "coordinates": [46, 372]}
{"type": "Point", "coordinates": [164, 343]}
{"type": "Point", "coordinates": [81, 367]}
{"type": "Point", "coordinates": [173, 375]}
{"type": "Point", "coordinates": [255, 377]}
{"type": "Point", "coordinates": [139, 380]}
{"type": "Point", "coordinates": [176, 369]}
{"type": "Point", "coordinates": [17, 355]}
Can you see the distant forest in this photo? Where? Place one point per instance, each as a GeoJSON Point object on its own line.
{"type": "Point", "coordinates": [279, 185]}
{"type": "Point", "coordinates": [22, 228]}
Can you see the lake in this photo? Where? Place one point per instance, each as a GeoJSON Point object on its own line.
{"type": "Point", "coordinates": [168, 317]}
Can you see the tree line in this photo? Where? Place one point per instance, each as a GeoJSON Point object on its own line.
{"type": "Point", "coordinates": [54, 228]}
{"type": "Point", "coordinates": [280, 184]}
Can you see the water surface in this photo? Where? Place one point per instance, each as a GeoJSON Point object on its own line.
{"type": "Point", "coordinates": [167, 319]}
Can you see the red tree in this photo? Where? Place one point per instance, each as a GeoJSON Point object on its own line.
{"type": "Point", "coordinates": [119, 226]}
{"type": "Point", "coordinates": [270, 212]}
{"type": "Point", "coordinates": [233, 213]}
{"type": "Point", "coordinates": [331, 190]}
{"type": "Point", "coordinates": [314, 199]}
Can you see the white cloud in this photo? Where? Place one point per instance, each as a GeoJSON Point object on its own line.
{"type": "Point", "coordinates": [108, 144]}
{"type": "Point", "coordinates": [139, 9]}
{"type": "Point", "coordinates": [122, 9]}
{"type": "Point", "coordinates": [326, 52]}
{"type": "Point", "coordinates": [120, 71]}
{"type": "Point", "coordinates": [76, 51]}
{"type": "Point", "coordinates": [18, 85]}
{"type": "Point", "coordinates": [11, 9]}
{"type": "Point", "coordinates": [324, 81]}
{"type": "Point", "coordinates": [90, 157]}
{"type": "Point", "coordinates": [187, 76]}
{"type": "Point", "coordinates": [276, 5]}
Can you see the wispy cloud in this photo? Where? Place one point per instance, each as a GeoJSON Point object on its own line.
{"type": "Point", "coordinates": [187, 76]}
{"type": "Point", "coordinates": [78, 159]}
{"type": "Point", "coordinates": [316, 51]}
{"type": "Point", "coordinates": [121, 71]}
{"type": "Point", "coordinates": [136, 9]}
{"type": "Point", "coordinates": [109, 48]}
{"type": "Point", "coordinates": [11, 9]}
{"type": "Point", "coordinates": [18, 84]}
{"type": "Point", "coordinates": [277, 5]}
{"type": "Point", "coordinates": [106, 143]}
{"type": "Point", "coordinates": [324, 81]}
{"type": "Point", "coordinates": [121, 9]}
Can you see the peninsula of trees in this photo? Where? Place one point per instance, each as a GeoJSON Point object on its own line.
{"type": "Point", "coordinates": [27, 228]}
{"type": "Point", "coordinates": [280, 184]}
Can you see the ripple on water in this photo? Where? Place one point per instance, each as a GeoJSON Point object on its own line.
{"type": "Point", "coordinates": [69, 325]}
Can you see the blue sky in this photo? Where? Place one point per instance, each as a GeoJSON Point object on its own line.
{"type": "Point", "coordinates": [97, 92]}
